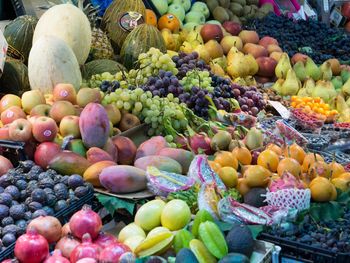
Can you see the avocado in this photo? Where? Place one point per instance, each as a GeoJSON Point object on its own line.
{"type": "Point", "coordinates": [254, 197]}
{"type": "Point", "coordinates": [185, 255]}
{"type": "Point", "coordinates": [235, 258]}
{"type": "Point", "coordinates": [240, 240]}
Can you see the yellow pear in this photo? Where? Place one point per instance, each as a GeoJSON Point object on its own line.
{"type": "Point", "coordinates": [202, 52]}
{"type": "Point", "coordinates": [278, 85]}
{"type": "Point", "coordinates": [291, 85]}
{"type": "Point", "coordinates": [231, 53]}
{"type": "Point", "coordinates": [253, 65]}
{"type": "Point", "coordinates": [309, 86]}
{"type": "Point", "coordinates": [194, 38]}
{"type": "Point", "coordinates": [186, 47]}
{"type": "Point", "coordinates": [283, 66]}
{"type": "Point", "coordinates": [168, 39]}
{"type": "Point", "coordinates": [178, 41]}
{"type": "Point", "coordinates": [217, 69]}
{"type": "Point", "coordinates": [172, 53]}
{"type": "Point", "coordinates": [237, 66]}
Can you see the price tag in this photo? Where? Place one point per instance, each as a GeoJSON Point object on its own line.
{"type": "Point", "coordinates": [283, 111]}
{"type": "Point", "coordinates": [326, 5]}
{"type": "Point", "coordinates": [3, 51]}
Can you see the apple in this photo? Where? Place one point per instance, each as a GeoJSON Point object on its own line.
{"type": "Point", "coordinates": [20, 130]}
{"type": "Point", "coordinates": [69, 125]}
{"type": "Point", "coordinates": [87, 95]}
{"type": "Point", "coordinates": [4, 132]}
{"type": "Point", "coordinates": [232, 27]}
{"type": "Point", "coordinates": [190, 26]}
{"type": "Point", "coordinates": [231, 41]}
{"type": "Point", "coordinates": [267, 66]}
{"type": "Point", "coordinates": [177, 10]}
{"type": "Point", "coordinates": [41, 110]}
{"type": "Point", "coordinates": [44, 129]}
{"type": "Point", "coordinates": [186, 4]}
{"type": "Point", "coordinates": [49, 99]}
{"type": "Point", "coordinates": [60, 109]}
{"type": "Point", "coordinates": [32, 98]}
{"type": "Point", "coordinates": [202, 8]}
{"type": "Point", "coordinates": [113, 113]}
{"type": "Point", "coordinates": [265, 41]}
{"type": "Point", "coordinates": [10, 100]}
{"type": "Point", "coordinates": [45, 152]}
{"type": "Point", "coordinates": [195, 17]}
{"type": "Point", "coordinates": [64, 91]}
{"type": "Point", "coordinates": [5, 165]}
{"type": "Point", "coordinates": [161, 6]}
{"type": "Point", "coordinates": [213, 22]}
{"type": "Point", "coordinates": [11, 114]}
{"type": "Point", "coordinates": [211, 31]}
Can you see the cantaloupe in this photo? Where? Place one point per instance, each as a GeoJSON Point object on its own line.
{"type": "Point", "coordinates": [70, 24]}
{"type": "Point", "coordinates": [52, 61]}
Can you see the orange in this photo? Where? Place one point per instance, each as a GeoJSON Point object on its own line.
{"type": "Point", "coordinates": [268, 159]}
{"type": "Point", "coordinates": [229, 176]}
{"type": "Point", "coordinates": [290, 165]}
{"type": "Point", "coordinates": [151, 18]}
{"type": "Point", "coordinates": [169, 21]}
{"type": "Point", "coordinates": [296, 152]}
{"type": "Point", "coordinates": [309, 159]}
{"type": "Point", "coordinates": [215, 166]}
{"type": "Point", "coordinates": [225, 158]}
{"type": "Point", "coordinates": [243, 155]}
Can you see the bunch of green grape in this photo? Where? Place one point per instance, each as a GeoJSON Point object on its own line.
{"type": "Point", "coordinates": [197, 78]}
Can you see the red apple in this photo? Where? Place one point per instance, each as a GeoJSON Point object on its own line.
{"type": "Point", "coordinates": [44, 129]}
{"type": "Point", "coordinates": [4, 132]}
{"type": "Point", "coordinates": [69, 125]}
{"type": "Point", "coordinates": [5, 165]}
{"type": "Point", "coordinates": [64, 91]}
{"type": "Point", "coordinates": [233, 28]}
{"type": "Point", "coordinates": [8, 101]}
{"type": "Point", "coordinates": [267, 66]}
{"type": "Point", "coordinates": [60, 109]}
{"type": "Point", "coordinates": [211, 31]}
{"type": "Point", "coordinates": [45, 152]}
{"type": "Point", "coordinates": [20, 130]}
{"type": "Point", "coordinates": [11, 114]}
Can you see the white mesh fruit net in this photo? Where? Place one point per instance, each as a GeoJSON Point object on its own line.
{"type": "Point", "coordinates": [290, 198]}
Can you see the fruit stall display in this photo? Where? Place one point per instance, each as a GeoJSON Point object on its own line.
{"type": "Point", "coordinates": [220, 165]}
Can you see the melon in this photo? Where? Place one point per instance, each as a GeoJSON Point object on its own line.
{"type": "Point", "coordinates": [14, 79]}
{"type": "Point", "coordinates": [116, 20]}
{"type": "Point", "coordinates": [19, 36]}
{"type": "Point", "coordinates": [52, 61]}
{"type": "Point", "coordinates": [140, 40]}
{"type": "Point", "coordinates": [100, 66]}
{"type": "Point", "coordinates": [70, 24]}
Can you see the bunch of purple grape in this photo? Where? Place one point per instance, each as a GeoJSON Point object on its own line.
{"type": "Point", "coordinates": [163, 84]}
{"type": "Point", "coordinates": [196, 101]}
{"type": "Point", "coordinates": [249, 99]}
{"type": "Point", "coordinates": [222, 87]}
{"type": "Point", "coordinates": [185, 62]}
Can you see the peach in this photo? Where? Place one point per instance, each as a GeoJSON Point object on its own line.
{"type": "Point", "coordinates": [272, 48]}
{"type": "Point", "coordinates": [32, 98]}
{"type": "Point", "coordinates": [60, 109]}
{"type": "Point", "coordinates": [266, 41]}
{"type": "Point", "coordinates": [231, 41]}
{"type": "Point", "coordinates": [87, 95]}
{"type": "Point", "coordinates": [8, 101]}
{"type": "Point", "coordinates": [126, 149]}
{"type": "Point", "coordinates": [64, 91]}
{"type": "Point", "coordinates": [249, 36]}
{"type": "Point", "coordinates": [20, 130]}
{"type": "Point", "coordinates": [11, 114]}
{"type": "Point", "coordinates": [4, 132]}
{"type": "Point", "coordinates": [113, 113]}
{"type": "Point", "coordinates": [276, 55]}
{"type": "Point", "coordinates": [69, 125]}
{"type": "Point", "coordinates": [5, 165]}
{"type": "Point", "coordinates": [267, 66]}
{"type": "Point", "coordinates": [44, 129]}
{"type": "Point", "coordinates": [299, 57]}
{"type": "Point", "coordinates": [255, 50]}
{"type": "Point", "coordinates": [41, 110]}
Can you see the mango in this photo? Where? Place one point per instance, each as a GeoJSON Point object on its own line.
{"type": "Point", "coordinates": [151, 147]}
{"type": "Point", "coordinates": [68, 163]}
{"type": "Point", "coordinates": [77, 146]}
{"type": "Point", "coordinates": [94, 125]}
{"type": "Point", "coordinates": [126, 149]}
{"type": "Point", "coordinates": [183, 157]}
{"type": "Point", "coordinates": [92, 173]}
{"type": "Point", "coordinates": [221, 141]}
{"type": "Point", "coordinates": [111, 149]}
{"type": "Point", "coordinates": [121, 179]}
{"type": "Point", "coordinates": [94, 155]}
{"type": "Point", "coordinates": [160, 162]}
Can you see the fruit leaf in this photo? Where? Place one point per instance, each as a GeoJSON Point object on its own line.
{"type": "Point", "coordinates": [256, 230]}
{"type": "Point", "coordinates": [326, 211]}
{"type": "Point", "coordinates": [343, 197]}
{"type": "Point", "coordinates": [224, 227]}
{"type": "Point", "coordinates": [112, 204]}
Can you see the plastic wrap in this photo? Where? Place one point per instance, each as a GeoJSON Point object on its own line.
{"type": "Point", "coordinates": [238, 119]}
{"type": "Point", "coordinates": [208, 199]}
{"type": "Point", "coordinates": [290, 198]}
{"type": "Point", "coordinates": [280, 214]}
{"type": "Point", "coordinates": [162, 183]}
{"type": "Point", "coordinates": [201, 172]}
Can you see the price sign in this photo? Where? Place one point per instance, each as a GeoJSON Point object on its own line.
{"type": "Point", "coordinates": [283, 111]}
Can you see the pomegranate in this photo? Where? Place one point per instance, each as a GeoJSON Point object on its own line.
{"type": "Point", "coordinates": [47, 226]}
{"type": "Point", "coordinates": [31, 247]}
{"type": "Point", "coordinates": [113, 252]}
{"type": "Point", "coordinates": [67, 244]}
{"type": "Point", "coordinates": [85, 250]}
{"type": "Point", "coordinates": [56, 257]}
{"type": "Point", "coordinates": [104, 240]}
{"type": "Point", "coordinates": [87, 260]}
{"type": "Point", "coordinates": [65, 230]}
{"type": "Point", "coordinates": [85, 221]}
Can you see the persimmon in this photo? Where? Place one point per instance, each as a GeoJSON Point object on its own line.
{"type": "Point", "coordinates": [215, 166]}
{"type": "Point", "coordinates": [243, 155]}
{"type": "Point", "coordinates": [268, 159]}
{"type": "Point", "coordinates": [225, 158]}
{"type": "Point", "coordinates": [275, 148]}
{"type": "Point", "coordinates": [309, 159]}
{"type": "Point", "coordinates": [295, 151]}
{"type": "Point", "coordinates": [290, 165]}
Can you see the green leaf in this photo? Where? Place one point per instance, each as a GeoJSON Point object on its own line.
{"type": "Point", "coordinates": [223, 226]}
{"type": "Point", "coordinates": [112, 204]}
{"type": "Point", "coordinates": [326, 211]}
{"type": "Point", "coordinates": [256, 229]}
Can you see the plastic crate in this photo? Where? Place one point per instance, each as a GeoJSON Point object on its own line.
{"type": "Point", "coordinates": [304, 252]}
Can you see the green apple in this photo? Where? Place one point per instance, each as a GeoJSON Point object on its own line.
{"type": "Point", "coordinates": [214, 22]}
{"type": "Point", "coordinates": [195, 17]}
{"type": "Point", "coordinates": [190, 26]}
{"type": "Point", "coordinates": [161, 5]}
{"type": "Point", "coordinates": [178, 11]}
{"type": "Point", "coordinates": [186, 4]}
{"type": "Point", "coordinates": [169, 2]}
{"type": "Point", "coordinates": [201, 8]}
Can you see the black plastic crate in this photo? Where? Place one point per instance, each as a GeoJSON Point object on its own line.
{"type": "Point", "coordinates": [304, 252]}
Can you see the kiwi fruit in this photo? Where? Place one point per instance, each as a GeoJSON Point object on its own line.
{"type": "Point", "coordinates": [230, 14]}
{"type": "Point", "coordinates": [252, 2]}
{"type": "Point", "coordinates": [212, 4]}
{"type": "Point", "coordinates": [236, 19]}
{"type": "Point", "coordinates": [241, 2]}
{"type": "Point", "coordinates": [266, 8]}
{"type": "Point", "coordinates": [224, 3]}
{"type": "Point", "coordinates": [236, 9]}
{"type": "Point", "coordinates": [247, 10]}
{"type": "Point", "coordinates": [220, 14]}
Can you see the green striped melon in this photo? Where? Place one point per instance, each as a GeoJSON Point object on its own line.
{"type": "Point", "coordinates": [140, 40]}
{"type": "Point", "coordinates": [14, 79]}
{"type": "Point", "coordinates": [100, 66]}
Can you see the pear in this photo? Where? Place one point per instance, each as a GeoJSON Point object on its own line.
{"type": "Point", "coordinates": [278, 85]}
{"type": "Point", "coordinates": [231, 53]}
{"type": "Point", "coordinates": [346, 88]}
{"type": "Point", "coordinates": [303, 93]}
{"type": "Point", "coordinates": [202, 52]}
{"type": "Point", "coordinates": [254, 139]}
{"type": "Point", "coordinates": [299, 70]}
{"type": "Point", "coordinates": [312, 70]}
{"type": "Point", "coordinates": [237, 66]}
{"type": "Point", "coordinates": [168, 39]}
{"type": "Point", "coordinates": [291, 85]}
{"type": "Point", "coordinates": [337, 82]}
{"type": "Point", "coordinates": [345, 75]}
{"type": "Point", "coordinates": [344, 116]}
{"type": "Point", "coordinates": [253, 65]}
{"type": "Point", "coordinates": [283, 66]}
{"type": "Point", "coordinates": [309, 85]}
{"type": "Point", "coordinates": [217, 69]}
{"type": "Point", "coordinates": [341, 105]}
{"type": "Point", "coordinates": [222, 61]}
{"type": "Point", "coordinates": [186, 47]}
{"type": "Point", "coordinates": [326, 70]}
{"type": "Point", "coordinates": [325, 90]}
{"type": "Point", "coordinates": [194, 38]}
